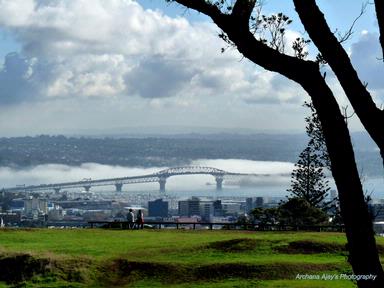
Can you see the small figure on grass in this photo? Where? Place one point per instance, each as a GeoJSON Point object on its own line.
{"type": "Point", "coordinates": [140, 220]}
{"type": "Point", "coordinates": [130, 219]}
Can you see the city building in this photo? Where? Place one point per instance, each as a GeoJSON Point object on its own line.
{"type": "Point", "coordinates": [253, 202]}
{"type": "Point", "coordinates": [259, 202]}
{"type": "Point", "coordinates": [249, 204]}
{"type": "Point", "coordinates": [10, 218]}
{"type": "Point", "coordinates": [217, 209]}
{"type": "Point", "coordinates": [35, 207]}
{"type": "Point", "coordinates": [233, 207]}
{"type": "Point", "coordinates": [189, 207]}
{"type": "Point", "coordinates": [206, 210]}
{"type": "Point", "coordinates": [86, 204]}
{"type": "Point", "coordinates": [57, 213]}
{"type": "Point", "coordinates": [16, 205]}
{"type": "Point", "coordinates": [158, 208]}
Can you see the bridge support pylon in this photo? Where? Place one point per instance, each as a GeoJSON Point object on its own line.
{"type": "Point", "coordinates": [162, 181]}
{"type": "Point", "coordinates": [57, 190]}
{"type": "Point", "coordinates": [219, 182]}
{"type": "Point", "coordinates": [119, 187]}
{"type": "Point", "coordinates": [87, 188]}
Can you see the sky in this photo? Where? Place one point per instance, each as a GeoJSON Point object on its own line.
{"type": "Point", "coordinates": [107, 66]}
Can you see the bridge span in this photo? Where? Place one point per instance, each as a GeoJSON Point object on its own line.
{"type": "Point", "coordinates": [160, 177]}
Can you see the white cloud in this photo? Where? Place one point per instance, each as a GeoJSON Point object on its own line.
{"type": "Point", "coordinates": [16, 13]}
{"type": "Point", "coordinates": [365, 55]}
{"type": "Point", "coordinates": [116, 48]}
{"type": "Point", "coordinates": [110, 63]}
{"type": "Point", "coordinates": [271, 88]}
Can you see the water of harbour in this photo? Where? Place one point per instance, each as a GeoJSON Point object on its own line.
{"type": "Point", "coordinates": [274, 183]}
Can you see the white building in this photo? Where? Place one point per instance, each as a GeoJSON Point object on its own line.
{"type": "Point", "coordinates": [232, 207]}
{"type": "Point", "coordinates": [56, 214]}
{"type": "Point", "coordinates": [33, 207]}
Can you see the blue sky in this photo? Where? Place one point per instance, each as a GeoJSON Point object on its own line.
{"type": "Point", "coordinates": [110, 65]}
{"type": "Point", "coordinates": [8, 43]}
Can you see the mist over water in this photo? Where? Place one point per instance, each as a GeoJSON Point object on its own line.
{"type": "Point", "coordinates": [273, 181]}
{"type": "Point", "coordinates": [247, 166]}
{"type": "Point", "coordinates": [56, 173]}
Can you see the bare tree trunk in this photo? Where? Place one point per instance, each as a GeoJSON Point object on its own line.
{"type": "Point", "coordinates": [359, 231]}
{"type": "Point", "coordinates": [379, 5]}
{"type": "Point", "coordinates": [361, 242]}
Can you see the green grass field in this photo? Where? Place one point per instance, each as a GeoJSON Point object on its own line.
{"type": "Point", "coordinates": [169, 258]}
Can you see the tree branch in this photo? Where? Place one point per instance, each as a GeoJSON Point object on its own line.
{"type": "Point", "coordinates": [242, 11]}
{"type": "Point", "coordinates": [332, 51]}
{"type": "Point", "coordinates": [379, 5]}
{"type": "Point", "coordinates": [202, 6]}
{"type": "Point", "coordinates": [348, 34]}
{"type": "Point", "coordinates": [265, 56]}
{"type": "Point", "coordinates": [253, 49]}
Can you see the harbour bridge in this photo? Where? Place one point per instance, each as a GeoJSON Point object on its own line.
{"type": "Point", "coordinates": [160, 177]}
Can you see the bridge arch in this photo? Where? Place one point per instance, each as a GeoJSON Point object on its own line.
{"type": "Point", "coordinates": [191, 170]}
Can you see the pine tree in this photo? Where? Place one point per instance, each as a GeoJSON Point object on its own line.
{"type": "Point", "coordinates": [316, 136]}
{"type": "Point", "coordinates": [309, 181]}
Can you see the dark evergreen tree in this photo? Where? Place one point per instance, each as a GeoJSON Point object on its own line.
{"type": "Point", "coordinates": [265, 215]}
{"type": "Point", "coordinates": [315, 133]}
{"type": "Point", "coordinates": [298, 211]}
{"type": "Point", "coordinates": [309, 181]}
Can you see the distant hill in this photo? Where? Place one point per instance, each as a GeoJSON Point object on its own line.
{"type": "Point", "coordinates": [169, 150]}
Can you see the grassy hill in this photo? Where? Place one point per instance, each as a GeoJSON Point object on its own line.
{"type": "Point", "coordinates": [169, 258]}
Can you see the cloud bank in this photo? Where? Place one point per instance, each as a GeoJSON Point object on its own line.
{"type": "Point", "coordinates": [98, 64]}
{"type": "Point", "coordinates": [365, 55]}
{"type": "Point", "coordinates": [115, 48]}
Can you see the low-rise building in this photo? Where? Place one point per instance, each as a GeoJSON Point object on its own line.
{"type": "Point", "coordinates": [57, 213]}
{"type": "Point", "coordinates": [158, 208]}
{"type": "Point", "coordinates": [189, 207]}
{"type": "Point", "coordinates": [10, 218]}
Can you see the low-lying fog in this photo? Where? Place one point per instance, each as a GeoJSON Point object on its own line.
{"type": "Point", "coordinates": [274, 181]}
{"type": "Point", "coordinates": [56, 173]}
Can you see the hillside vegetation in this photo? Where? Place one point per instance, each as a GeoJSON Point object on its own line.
{"type": "Point", "coordinates": [164, 258]}
{"type": "Point", "coordinates": [168, 150]}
